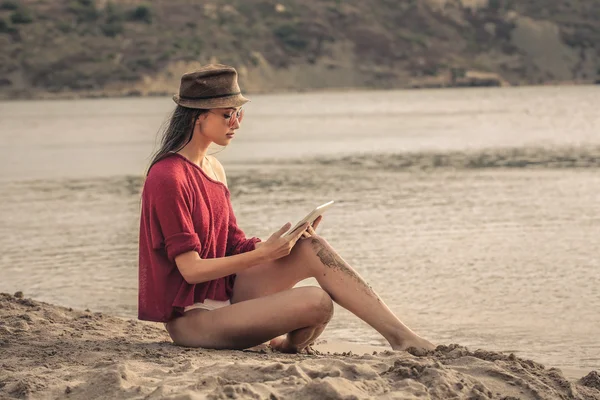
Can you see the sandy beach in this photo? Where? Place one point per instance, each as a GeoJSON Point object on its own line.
{"type": "Point", "coordinates": [47, 351]}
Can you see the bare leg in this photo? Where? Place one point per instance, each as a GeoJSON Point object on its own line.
{"type": "Point", "coordinates": [258, 282]}
{"type": "Point", "coordinates": [314, 257]}
{"type": "Point", "coordinates": [301, 311]}
{"type": "Point", "coordinates": [347, 288]}
{"type": "Point", "coordinates": [297, 340]}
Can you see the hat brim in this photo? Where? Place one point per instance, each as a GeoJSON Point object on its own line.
{"type": "Point", "coordinates": [234, 101]}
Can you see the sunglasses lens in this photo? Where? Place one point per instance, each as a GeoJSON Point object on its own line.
{"type": "Point", "coordinates": [236, 117]}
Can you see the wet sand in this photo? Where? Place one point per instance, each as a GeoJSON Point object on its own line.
{"type": "Point", "coordinates": [55, 352]}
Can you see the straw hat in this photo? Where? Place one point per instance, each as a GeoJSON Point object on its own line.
{"type": "Point", "coordinates": [212, 86]}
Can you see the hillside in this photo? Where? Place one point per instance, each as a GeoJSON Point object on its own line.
{"type": "Point", "coordinates": [67, 48]}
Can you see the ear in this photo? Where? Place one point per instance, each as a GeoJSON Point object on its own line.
{"type": "Point", "coordinates": [201, 117]}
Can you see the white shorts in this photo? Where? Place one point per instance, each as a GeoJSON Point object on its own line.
{"type": "Point", "coordinates": [208, 304]}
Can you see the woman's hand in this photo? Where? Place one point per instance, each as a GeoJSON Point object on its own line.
{"type": "Point", "coordinates": [310, 231]}
{"type": "Point", "coordinates": [280, 245]}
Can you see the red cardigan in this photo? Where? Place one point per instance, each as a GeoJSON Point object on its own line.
{"type": "Point", "coordinates": [183, 210]}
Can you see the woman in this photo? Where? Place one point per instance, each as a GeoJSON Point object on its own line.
{"type": "Point", "coordinates": [198, 273]}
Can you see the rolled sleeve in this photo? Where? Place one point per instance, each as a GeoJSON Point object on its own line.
{"type": "Point", "coordinates": [245, 246]}
{"type": "Point", "coordinates": [180, 243]}
{"type": "Point", "coordinates": [171, 203]}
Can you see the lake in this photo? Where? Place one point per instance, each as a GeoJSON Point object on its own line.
{"type": "Point", "coordinates": [474, 213]}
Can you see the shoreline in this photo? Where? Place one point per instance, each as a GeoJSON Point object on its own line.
{"type": "Point", "coordinates": [125, 93]}
{"type": "Point", "coordinates": [52, 351]}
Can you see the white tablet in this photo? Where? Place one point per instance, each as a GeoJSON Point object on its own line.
{"type": "Point", "coordinates": [311, 217]}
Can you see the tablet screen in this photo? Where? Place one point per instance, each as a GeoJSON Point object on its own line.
{"type": "Point", "coordinates": [311, 217]}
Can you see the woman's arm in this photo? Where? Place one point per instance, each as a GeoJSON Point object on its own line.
{"type": "Point", "coordinates": [197, 270]}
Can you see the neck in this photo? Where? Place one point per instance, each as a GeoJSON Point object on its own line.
{"type": "Point", "coordinates": [195, 152]}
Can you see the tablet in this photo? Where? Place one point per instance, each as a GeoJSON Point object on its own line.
{"type": "Point", "coordinates": [311, 217]}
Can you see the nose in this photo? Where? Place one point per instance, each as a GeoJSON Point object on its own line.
{"type": "Point", "coordinates": [236, 124]}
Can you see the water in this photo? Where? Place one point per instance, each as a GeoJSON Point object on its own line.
{"type": "Point", "coordinates": [475, 214]}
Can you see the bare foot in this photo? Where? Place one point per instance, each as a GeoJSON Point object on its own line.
{"type": "Point", "coordinates": [418, 343]}
{"type": "Point", "coordinates": [311, 351]}
{"type": "Point", "coordinates": [282, 345]}
{"type": "Point", "coordinates": [259, 347]}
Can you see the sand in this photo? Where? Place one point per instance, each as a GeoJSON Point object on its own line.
{"type": "Point", "coordinates": [47, 351]}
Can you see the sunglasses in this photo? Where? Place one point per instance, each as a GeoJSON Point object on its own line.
{"type": "Point", "coordinates": [234, 116]}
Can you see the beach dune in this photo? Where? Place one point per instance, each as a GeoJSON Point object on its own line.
{"type": "Point", "coordinates": [47, 351]}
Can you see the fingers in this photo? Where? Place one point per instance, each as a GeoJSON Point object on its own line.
{"type": "Point", "coordinates": [283, 229]}
{"type": "Point", "coordinates": [317, 222]}
{"type": "Point", "coordinates": [302, 230]}
{"type": "Point", "coordinates": [310, 231]}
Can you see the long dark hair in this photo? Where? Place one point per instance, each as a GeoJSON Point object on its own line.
{"type": "Point", "coordinates": [177, 132]}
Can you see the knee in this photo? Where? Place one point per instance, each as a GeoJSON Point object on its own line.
{"type": "Point", "coordinates": [310, 246]}
{"type": "Point", "coordinates": [319, 305]}
{"type": "Point", "coordinates": [177, 332]}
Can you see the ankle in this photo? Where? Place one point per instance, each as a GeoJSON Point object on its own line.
{"type": "Point", "coordinates": [401, 338]}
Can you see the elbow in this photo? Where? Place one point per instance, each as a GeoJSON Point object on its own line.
{"type": "Point", "coordinates": [187, 277]}
{"type": "Point", "coordinates": [189, 267]}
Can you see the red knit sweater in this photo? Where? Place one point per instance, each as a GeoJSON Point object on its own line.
{"type": "Point", "coordinates": [183, 210]}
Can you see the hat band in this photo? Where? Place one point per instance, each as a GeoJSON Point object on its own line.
{"type": "Point", "coordinates": [210, 97]}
